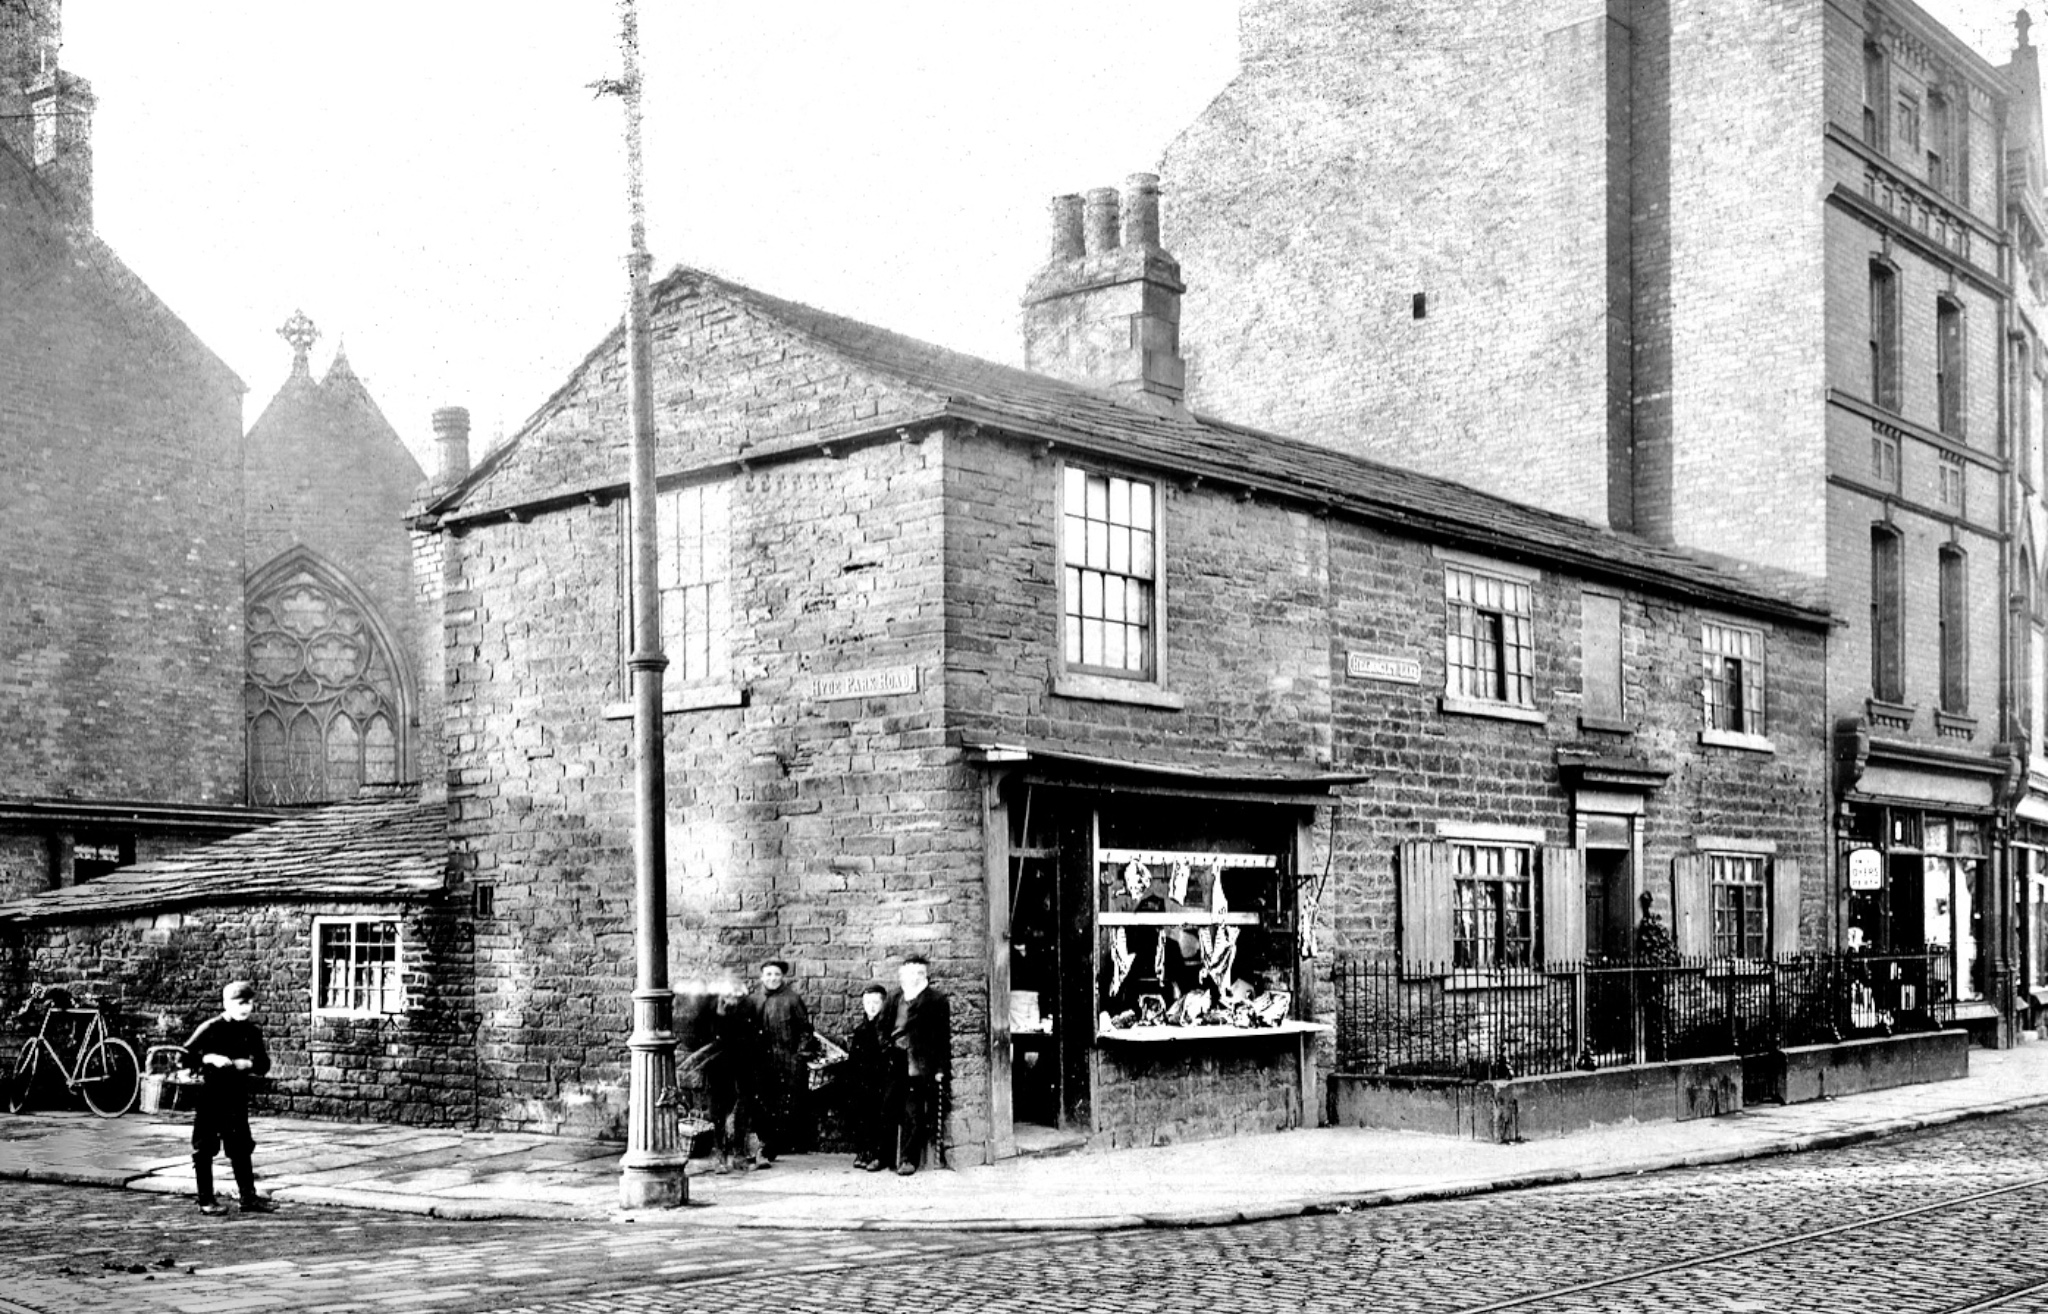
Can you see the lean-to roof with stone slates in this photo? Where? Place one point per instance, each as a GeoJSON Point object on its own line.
{"type": "Point", "coordinates": [387, 844]}
{"type": "Point", "coordinates": [927, 382]}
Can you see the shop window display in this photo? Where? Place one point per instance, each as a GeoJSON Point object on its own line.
{"type": "Point", "coordinates": [1193, 939]}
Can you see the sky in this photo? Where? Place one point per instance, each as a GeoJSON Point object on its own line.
{"type": "Point", "coordinates": [435, 185]}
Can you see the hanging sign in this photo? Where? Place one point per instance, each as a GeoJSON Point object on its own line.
{"type": "Point", "coordinates": [1393, 670]}
{"type": "Point", "coordinates": [1866, 869]}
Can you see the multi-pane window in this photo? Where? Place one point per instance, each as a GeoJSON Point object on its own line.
{"type": "Point", "coordinates": [693, 553]}
{"type": "Point", "coordinates": [1733, 683]}
{"type": "Point", "coordinates": [1950, 368]}
{"type": "Point", "coordinates": [1955, 632]}
{"type": "Point", "coordinates": [1489, 637]}
{"type": "Point", "coordinates": [1887, 609]}
{"type": "Point", "coordinates": [1740, 897]}
{"type": "Point", "coordinates": [1884, 335]}
{"type": "Point", "coordinates": [358, 971]}
{"type": "Point", "coordinates": [1493, 914]}
{"type": "Point", "coordinates": [1952, 486]}
{"type": "Point", "coordinates": [1108, 529]}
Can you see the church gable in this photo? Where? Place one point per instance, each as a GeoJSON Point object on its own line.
{"type": "Point", "coordinates": [728, 379]}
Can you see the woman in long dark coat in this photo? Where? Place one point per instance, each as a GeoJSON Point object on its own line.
{"type": "Point", "coordinates": [781, 1042]}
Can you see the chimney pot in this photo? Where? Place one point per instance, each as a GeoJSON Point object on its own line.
{"type": "Point", "coordinates": [1100, 222]}
{"type": "Point", "coordinates": [1066, 227]}
{"type": "Point", "coordinates": [1141, 211]}
{"type": "Point", "coordinates": [451, 434]}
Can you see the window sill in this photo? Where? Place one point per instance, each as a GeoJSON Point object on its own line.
{"type": "Point", "coordinates": [1888, 716]}
{"type": "Point", "coordinates": [342, 1015]}
{"type": "Point", "coordinates": [1109, 689]}
{"type": "Point", "coordinates": [1737, 739]}
{"type": "Point", "coordinates": [1954, 725]}
{"type": "Point", "coordinates": [1732, 969]}
{"type": "Point", "coordinates": [687, 698]}
{"type": "Point", "coordinates": [1607, 726]}
{"type": "Point", "coordinates": [1456, 706]}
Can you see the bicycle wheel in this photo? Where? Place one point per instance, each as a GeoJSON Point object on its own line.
{"type": "Point", "coordinates": [108, 1077]}
{"type": "Point", "coordinates": [21, 1082]}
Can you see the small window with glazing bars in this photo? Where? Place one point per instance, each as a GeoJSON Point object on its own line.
{"type": "Point", "coordinates": [1489, 645]}
{"type": "Point", "coordinates": [1109, 538]}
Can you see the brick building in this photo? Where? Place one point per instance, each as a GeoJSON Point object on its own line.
{"type": "Point", "coordinates": [120, 519]}
{"type": "Point", "coordinates": [1751, 278]}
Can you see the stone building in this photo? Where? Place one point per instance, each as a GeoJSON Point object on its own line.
{"type": "Point", "coordinates": [1747, 278]}
{"type": "Point", "coordinates": [333, 629]}
{"type": "Point", "coordinates": [121, 568]}
{"type": "Point", "coordinates": [958, 650]}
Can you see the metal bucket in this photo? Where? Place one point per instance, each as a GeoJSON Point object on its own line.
{"type": "Point", "coordinates": [149, 1094]}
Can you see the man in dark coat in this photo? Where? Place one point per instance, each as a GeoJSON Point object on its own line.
{"type": "Point", "coordinates": [780, 1043]}
{"type": "Point", "coordinates": [921, 1034]}
{"type": "Point", "coordinates": [229, 1054]}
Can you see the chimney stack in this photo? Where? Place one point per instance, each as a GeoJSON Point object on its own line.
{"type": "Point", "coordinates": [46, 113]}
{"type": "Point", "coordinates": [1105, 309]}
{"type": "Point", "coordinates": [451, 437]}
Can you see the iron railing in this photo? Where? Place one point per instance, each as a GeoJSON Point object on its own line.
{"type": "Point", "coordinates": [1403, 1019]}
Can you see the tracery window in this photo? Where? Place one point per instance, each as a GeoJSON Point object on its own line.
{"type": "Point", "coordinates": [321, 693]}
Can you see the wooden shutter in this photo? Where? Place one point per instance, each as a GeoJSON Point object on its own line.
{"type": "Point", "coordinates": [1425, 909]}
{"type": "Point", "coordinates": [1784, 908]}
{"type": "Point", "coordinates": [1692, 906]}
{"type": "Point", "coordinates": [1564, 907]}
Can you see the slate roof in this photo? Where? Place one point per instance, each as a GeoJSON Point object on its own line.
{"type": "Point", "coordinates": [1016, 401]}
{"type": "Point", "coordinates": [383, 845]}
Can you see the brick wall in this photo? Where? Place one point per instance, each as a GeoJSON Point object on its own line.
{"type": "Point", "coordinates": [1149, 1094]}
{"type": "Point", "coordinates": [166, 971]}
{"type": "Point", "coordinates": [120, 521]}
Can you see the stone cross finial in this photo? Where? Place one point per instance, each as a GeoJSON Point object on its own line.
{"type": "Point", "coordinates": [300, 332]}
{"type": "Point", "coordinates": [2023, 22]}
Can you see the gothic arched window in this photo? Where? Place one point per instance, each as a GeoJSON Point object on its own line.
{"type": "Point", "coordinates": [323, 693]}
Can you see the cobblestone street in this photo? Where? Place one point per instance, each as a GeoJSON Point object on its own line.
{"type": "Point", "coordinates": [1933, 1222]}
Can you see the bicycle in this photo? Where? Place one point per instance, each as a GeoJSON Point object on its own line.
{"type": "Point", "coordinates": [103, 1070]}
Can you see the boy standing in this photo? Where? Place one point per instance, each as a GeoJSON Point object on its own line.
{"type": "Point", "coordinates": [229, 1054]}
{"type": "Point", "coordinates": [866, 1084]}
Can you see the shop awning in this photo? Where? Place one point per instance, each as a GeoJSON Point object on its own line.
{"type": "Point", "coordinates": [1047, 765]}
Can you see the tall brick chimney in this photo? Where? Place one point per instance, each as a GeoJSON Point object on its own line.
{"type": "Point", "coordinates": [451, 439]}
{"type": "Point", "coordinates": [1105, 309]}
{"type": "Point", "coordinates": [46, 113]}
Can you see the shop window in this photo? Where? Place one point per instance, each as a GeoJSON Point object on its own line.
{"type": "Point", "coordinates": [1954, 617]}
{"type": "Point", "coordinates": [1194, 938]}
{"type": "Point", "coordinates": [1953, 895]}
{"type": "Point", "coordinates": [1951, 366]}
{"type": "Point", "coordinates": [1734, 904]}
{"type": "Point", "coordinates": [1489, 635]}
{"type": "Point", "coordinates": [1732, 658]}
{"type": "Point", "coordinates": [2036, 895]}
{"type": "Point", "coordinates": [358, 969]}
{"type": "Point", "coordinates": [1887, 607]}
{"type": "Point", "coordinates": [1884, 335]}
{"type": "Point", "coordinates": [1108, 594]}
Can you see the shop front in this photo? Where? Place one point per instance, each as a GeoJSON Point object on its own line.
{"type": "Point", "coordinates": [2030, 911]}
{"type": "Point", "coordinates": [1149, 933]}
{"type": "Point", "coordinates": [1924, 880]}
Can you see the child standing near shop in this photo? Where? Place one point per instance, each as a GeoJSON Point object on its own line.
{"type": "Point", "coordinates": [228, 1053]}
{"type": "Point", "coordinates": [865, 1086]}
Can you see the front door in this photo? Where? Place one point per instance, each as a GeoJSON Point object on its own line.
{"type": "Point", "coordinates": [1608, 842]}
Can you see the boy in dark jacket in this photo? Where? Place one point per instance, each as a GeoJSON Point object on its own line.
{"type": "Point", "coordinates": [229, 1054]}
{"type": "Point", "coordinates": [865, 1083]}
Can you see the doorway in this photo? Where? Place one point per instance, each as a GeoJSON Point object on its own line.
{"type": "Point", "coordinates": [1608, 842]}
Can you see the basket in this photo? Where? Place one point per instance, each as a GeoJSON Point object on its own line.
{"type": "Point", "coordinates": [161, 1079]}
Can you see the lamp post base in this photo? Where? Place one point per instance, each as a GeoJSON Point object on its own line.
{"type": "Point", "coordinates": [654, 1185]}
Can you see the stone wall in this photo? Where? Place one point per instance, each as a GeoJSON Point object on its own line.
{"type": "Point", "coordinates": [166, 971]}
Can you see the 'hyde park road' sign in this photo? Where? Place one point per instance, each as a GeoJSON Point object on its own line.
{"type": "Point", "coordinates": [881, 682]}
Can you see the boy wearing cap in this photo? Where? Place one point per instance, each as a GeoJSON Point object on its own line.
{"type": "Point", "coordinates": [229, 1054]}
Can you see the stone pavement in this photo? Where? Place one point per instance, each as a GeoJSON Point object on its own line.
{"type": "Point", "coordinates": [454, 1174]}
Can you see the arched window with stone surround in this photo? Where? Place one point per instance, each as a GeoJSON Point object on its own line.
{"type": "Point", "coordinates": [324, 693]}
